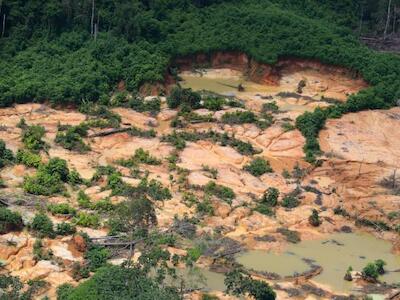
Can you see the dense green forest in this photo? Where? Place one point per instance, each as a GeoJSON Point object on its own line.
{"type": "Point", "coordinates": [71, 51]}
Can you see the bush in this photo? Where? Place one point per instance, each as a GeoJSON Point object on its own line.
{"type": "Point", "coordinates": [103, 205]}
{"type": "Point", "coordinates": [270, 107]}
{"type": "Point", "coordinates": [205, 207]}
{"type": "Point", "coordinates": [84, 200]}
{"type": "Point", "coordinates": [28, 158]}
{"type": "Point", "coordinates": [183, 97]}
{"type": "Point", "coordinates": [314, 219]}
{"type": "Point", "coordinates": [220, 191]}
{"type": "Point", "coordinates": [87, 220]}
{"type": "Point", "coordinates": [65, 228]}
{"type": "Point", "coordinates": [79, 271]}
{"type": "Point", "coordinates": [270, 197]}
{"type": "Point", "coordinates": [97, 257]}
{"type": "Point", "coordinates": [157, 191]}
{"type": "Point", "coordinates": [61, 209]}
{"type": "Point", "coordinates": [39, 253]}
{"type": "Point", "coordinates": [213, 103]}
{"type": "Point", "coordinates": [57, 166]}
{"type": "Point", "coordinates": [290, 235]}
{"type": "Point", "coordinates": [239, 283]}
{"type": "Point", "coordinates": [258, 167]}
{"type": "Point", "coordinates": [42, 224]}
{"type": "Point", "coordinates": [239, 117]}
{"type": "Point", "coordinates": [43, 184]}
{"type": "Point", "coordinates": [75, 178]}
{"type": "Point", "coordinates": [370, 271]}
{"type": "Point", "coordinates": [6, 155]}
{"type": "Point", "coordinates": [140, 105]}
{"type": "Point", "coordinates": [72, 140]}
{"type": "Point", "coordinates": [9, 221]}
{"type": "Point", "coordinates": [32, 138]}
{"type": "Point", "coordinates": [151, 133]}
{"type": "Point", "coordinates": [264, 209]}
{"type": "Point", "coordinates": [144, 157]}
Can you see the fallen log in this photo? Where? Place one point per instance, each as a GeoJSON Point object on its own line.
{"type": "Point", "coordinates": [109, 132]}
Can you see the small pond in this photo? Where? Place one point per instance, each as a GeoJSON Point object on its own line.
{"type": "Point", "coordinates": [334, 254]}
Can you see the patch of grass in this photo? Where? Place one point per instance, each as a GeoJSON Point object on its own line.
{"type": "Point", "coordinates": [222, 192]}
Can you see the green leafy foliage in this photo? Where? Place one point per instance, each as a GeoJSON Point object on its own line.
{"type": "Point", "coordinates": [28, 158]}
{"type": "Point", "coordinates": [6, 155]}
{"type": "Point", "coordinates": [239, 283]}
{"type": "Point", "coordinates": [271, 196]}
{"type": "Point", "coordinates": [314, 219]}
{"type": "Point", "coordinates": [71, 138]}
{"type": "Point", "coordinates": [32, 137]}
{"type": "Point", "coordinates": [42, 224]}
{"type": "Point", "coordinates": [239, 117]}
{"type": "Point", "coordinates": [9, 221]}
{"type": "Point", "coordinates": [65, 228]}
{"type": "Point", "coordinates": [153, 105]}
{"type": "Point", "coordinates": [114, 282]}
{"type": "Point", "coordinates": [258, 167]}
{"type": "Point", "coordinates": [220, 191]}
{"type": "Point", "coordinates": [61, 209]}
{"type": "Point", "coordinates": [49, 178]}
{"type": "Point", "coordinates": [13, 288]}
{"type": "Point", "coordinates": [87, 219]}
{"type": "Point", "coordinates": [183, 97]}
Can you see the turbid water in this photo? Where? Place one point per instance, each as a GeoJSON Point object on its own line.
{"type": "Point", "coordinates": [334, 254]}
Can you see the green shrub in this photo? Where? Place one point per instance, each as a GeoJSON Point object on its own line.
{"type": "Point", "coordinates": [140, 105]}
{"type": "Point", "coordinates": [314, 219]}
{"type": "Point", "coordinates": [213, 103]}
{"type": "Point", "coordinates": [74, 178]}
{"type": "Point", "coordinates": [270, 197]}
{"type": "Point", "coordinates": [61, 209]}
{"type": "Point", "coordinates": [290, 235]}
{"type": "Point", "coordinates": [205, 207]}
{"type": "Point", "coordinates": [71, 139]}
{"type": "Point", "coordinates": [239, 117]}
{"type": "Point", "coordinates": [286, 126]}
{"type": "Point", "coordinates": [143, 156]}
{"type": "Point", "coordinates": [9, 221]}
{"type": "Point", "coordinates": [370, 271]}
{"type": "Point", "coordinates": [56, 166]}
{"type": "Point", "coordinates": [28, 158]}
{"type": "Point", "coordinates": [220, 191]}
{"type": "Point", "coordinates": [264, 209]}
{"type": "Point", "coordinates": [194, 253]}
{"type": "Point", "coordinates": [32, 138]}
{"type": "Point", "coordinates": [103, 205]}
{"type": "Point", "coordinates": [43, 184]}
{"type": "Point", "coordinates": [107, 117]}
{"type": "Point", "coordinates": [258, 167]}
{"type": "Point", "coordinates": [65, 228]}
{"type": "Point", "coordinates": [151, 133]}
{"type": "Point", "coordinates": [290, 201]}
{"type": "Point", "coordinates": [183, 97]}
{"type": "Point", "coordinates": [39, 253]}
{"type": "Point", "coordinates": [79, 271]}
{"type": "Point", "coordinates": [42, 224]}
{"type": "Point", "coordinates": [157, 191]}
{"type": "Point", "coordinates": [6, 155]}
{"type": "Point", "coordinates": [97, 257]}
{"type": "Point", "coordinates": [87, 220]}
{"type": "Point", "coordinates": [84, 200]}
{"type": "Point", "coordinates": [270, 107]}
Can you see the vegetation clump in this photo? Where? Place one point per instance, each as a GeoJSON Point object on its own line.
{"type": "Point", "coordinates": [222, 192]}
{"type": "Point", "coordinates": [314, 219]}
{"type": "Point", "coordinates": [28, 158]}
{"type": "Point", "coordinates": [32, 137]}
{"type": "Point", "coordinates": [258, 167]}
{"type": "Point", "coordinates": [6, 155]}
{"type": "Point", "coordinates": [71, 137]}
{"type": "Point", "coordinates": [183, 97]}
{"type": "Point", "coordinates": [239, 117]}
{"type": "Point", "coordinates": [9, 221]}
{"type": "Point", "coordinates": [43, 225]}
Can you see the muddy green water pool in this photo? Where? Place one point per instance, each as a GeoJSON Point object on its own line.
{"type": "Point", "coordinates": [334, 254]}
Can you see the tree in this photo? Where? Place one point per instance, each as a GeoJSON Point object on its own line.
{"type": "Point", "coordinates": [271, 196]}
{"type": "Point", "coordinates": [118, 283]}
{"type": "Point", "coordinates": [314, 219]}
{"type": "Point", "coordinates": [239, 283]}
{"type": "Point", "coordinates": [370, 271]}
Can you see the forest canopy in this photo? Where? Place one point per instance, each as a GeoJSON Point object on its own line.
{"type": "Point", "coordinates": [73, 51]}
